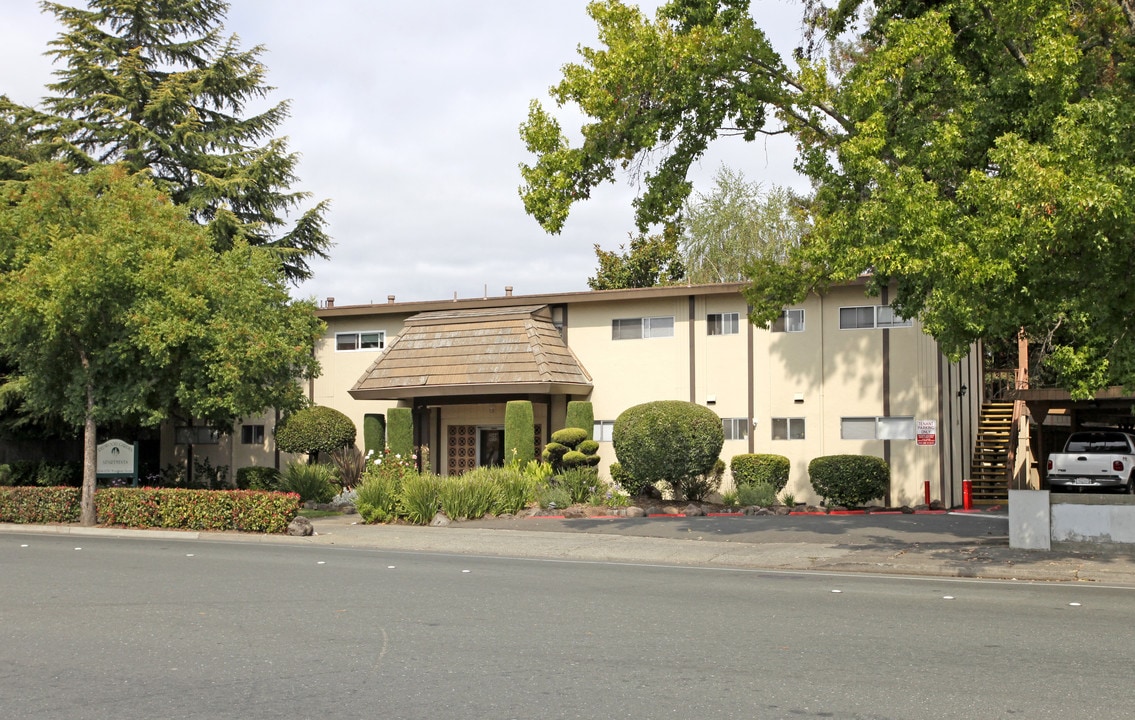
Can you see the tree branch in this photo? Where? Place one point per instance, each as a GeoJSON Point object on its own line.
{"type": "Point", "coordinates": [1012, 48]}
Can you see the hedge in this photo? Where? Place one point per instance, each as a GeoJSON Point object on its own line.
{"type": "Point", "coordinates": [580, 414]}
{"type": "Point", "coordinates": [314, 430]}
{"type": "Point", "coordinates": [519, 432]}
{"type": "Point", "coordinates": [749, 469]}
{"type": "Point", "coordinates": [400, 431]}
{"type": "Point", "coordinates": [374, 433]}
{"type": "Point", "coordinates": [670, 440]}
{"type": "Point", "coordinates": [849, 480]}
{"type": "Point", "coordinates": [244, 510]}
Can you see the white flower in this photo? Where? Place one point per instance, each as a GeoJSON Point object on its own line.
{"type": "Point", "coordinates": [397, 457]}
{"type": "Point", "coordinates": [378, 462]}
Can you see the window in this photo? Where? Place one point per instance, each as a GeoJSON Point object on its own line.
{"type": "Point", "coordinates": [638, 328]}
{"type": "Point", "coordinates": [870, 316]}
{"type": "Point", "coordinates": [791, 320]}
{"type": "Point", "coordinates": [602, 430]}
{"type": "Point", "coordinates": [788, 428]}
{"type": "Point", "coordinates": [371, 340]}
{"type": "Point", "coordinates": [735, 428]}
{"type": "Point", "coordinates": [252, 435]}
{"type": "Point", "coordinates": [877, 428]}
{"type": "Point", "coordinates": [723, 323]}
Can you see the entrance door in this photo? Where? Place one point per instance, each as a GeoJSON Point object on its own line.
{"type": "Point", "coordinates": [490, 446]}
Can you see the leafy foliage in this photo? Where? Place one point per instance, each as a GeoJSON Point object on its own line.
{"type": "Point", "coordinates": [39, 504]}
{"type": "Point", "coordinates": [374, 433]}
{"type": "Point", "coordinates": [748, 469]}
{"type": "Point", "coordinates": [377, 497]}
{"type": "Point", "coordinates": [315, 429]}
{"type": "Point", "coordinates": [400, 430]}
{"type": "Point", "coordinates": [156, 86]}
{"type": "Point", "coordinates": [581, 414]}
{"type": "Point", "coordinates": [246, 511]}
{"type": "Point", "coordinates": [976, 160]}
{"type": "Point", "coordinates": [114, 308]}
{"type": "Point", "coordinates": [471, 495]}
{"type": "Point", "coordinates": [651, 260]}
{"type": "Point", "coordinates": [849, 480]}
{"type": "Point", "coordinates": [349, 466]}
{"type": "Point", "coordinates": [258, 478]}
{"type": "Point", "coordinates": [312, 482]}
{"type": "Point", "coordinates": [757, 494]}
{"type": "Point", "coordinates": [668, 440]}
{"type": "Point", "coordinates": [419, 497]}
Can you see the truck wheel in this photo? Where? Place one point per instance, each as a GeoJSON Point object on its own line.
{"type": "Point", "coordinates": [1129, 488]}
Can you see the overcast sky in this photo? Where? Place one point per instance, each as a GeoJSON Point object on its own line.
{"type": "Point", "coordinates": [405, 115]}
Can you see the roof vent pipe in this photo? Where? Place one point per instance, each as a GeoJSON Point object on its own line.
{"type": "Point", "coordinates": [389, 298]}
{"type": "Point", "coordinates": [508, 291]}
{"type": "Point", "coordinates": [330, 303]}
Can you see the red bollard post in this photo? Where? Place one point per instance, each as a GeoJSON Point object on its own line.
{"type": "Point", "coordinates": [926, 490]}
{"type": "Point", "coordinates": [967, 494]}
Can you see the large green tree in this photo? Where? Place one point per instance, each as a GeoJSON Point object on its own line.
{"type": "Point", "coordinates": [156, 85]}
{"type": "Point", "coordinates": [738, 224]}
{"type": "Point", "coordinates": [978, 157]}
{"type": "Point", "coordinates": [114, 307]}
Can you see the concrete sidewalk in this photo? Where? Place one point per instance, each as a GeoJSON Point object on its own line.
{"type": "Point", "coordinates": [934, 546]}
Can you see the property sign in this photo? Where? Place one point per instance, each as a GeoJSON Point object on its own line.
{"type": "Point", "coordinates": [115, 457]}
{"type": "Point", "coordinates": [926, 432]}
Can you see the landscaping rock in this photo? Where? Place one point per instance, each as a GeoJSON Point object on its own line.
{"type": "Point", "coordinates": [349, 510]}
{"type": "Point", "coordinates": [635, 512]}
{"type": "Point", "coordinates": [906, 510]}
{"type": "Point", "coordinates": [936, 505]}
{"type": "Point", "coordinates": [440, 520]}
{"type": "Point", "coordinates": [781, 510]}
{"type": "Point", "coordinates": [693, 510]}
{"type": "Point", "coordinates": [300, 527]}
{"type": "Point", "coordinates": [573, 512]}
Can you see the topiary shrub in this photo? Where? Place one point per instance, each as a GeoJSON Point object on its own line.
{"type": "Point", "coordinates": [519, 431]}
{"type": "Point", "coordinates": [314, 430]}
{"type": "Point", "coordinates": [400, 431]}
{"type": "Point", "coordinates": [849, 480]}
{"type": "Point", "coordinates": [580, 414]}
{"type": "Point", "coordinates": [570, 448]}
{"type": "Point", "coordinates": [374, 433]}
{"type": "Point", "coordinates": [669, 440]}
{"type": "Point", "coordinates": [749, 469]}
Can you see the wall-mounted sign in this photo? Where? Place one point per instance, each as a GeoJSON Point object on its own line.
{"type": "Point", "coordinates": [926, 432]}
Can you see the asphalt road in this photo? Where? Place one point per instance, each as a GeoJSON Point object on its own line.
{"type": "Point", "coordinates": [125, 628]}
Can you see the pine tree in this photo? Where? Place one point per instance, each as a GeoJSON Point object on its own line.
{"type": "Point", "coordinates": [155, 85]}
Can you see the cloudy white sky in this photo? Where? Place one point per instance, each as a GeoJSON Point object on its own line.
{"type": "Point", "coordinates": [405, 115]}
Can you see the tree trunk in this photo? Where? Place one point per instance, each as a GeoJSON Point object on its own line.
{"type": "Point", "coordinates": [87, 515]}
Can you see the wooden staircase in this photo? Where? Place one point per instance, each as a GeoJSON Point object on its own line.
{"type": "Point", "coordinates": [989, 470]}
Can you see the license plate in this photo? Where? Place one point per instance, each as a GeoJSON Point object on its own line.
{"type": "Point", "coordinates": [1081, 481]}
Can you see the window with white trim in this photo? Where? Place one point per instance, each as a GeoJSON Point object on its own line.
{"type": "Point", "coordinates": [723, 323]}
{"type": "Point", "coordinates": [899, 427]}
{"type": "Point", "coordinates": [602, 430]}
{"type": "Point", "coordinates": [788, 428]}
{"type": "Point", "coordinates": [251, 434]}
{"type": "Point", "coordinates": [366, 340]}
{"type": "Point", "coordinates": [640, 328]}
{"type": "Point", "coordinates": [735, 428]}
{"type": "Point", "coordinates": [867, 317]}
{"type": "Point", "coordinates": [791, 320]}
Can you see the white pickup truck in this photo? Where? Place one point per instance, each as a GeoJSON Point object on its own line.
{"type": "Point", "coordinates": [1095, 459]}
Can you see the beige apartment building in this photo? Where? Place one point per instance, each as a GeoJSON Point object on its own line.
{"type": "Point", "coordinates": [840, 373]}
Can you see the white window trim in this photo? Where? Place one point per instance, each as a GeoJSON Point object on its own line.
{"type": "Point", "coordinates": [905, 322]}
{"type": "Point", "coordinates": [730, 323]}
{"type": "Point", "coordinates": [789, 422]}
{"type": "Point", "coordinates": [784, 324]}
{"type": "Point", "coordinates": [883, 429]}
{"type": "Point", "coordinates": [358, 334]}
{"type": "Point", "coordinates": [738, 428]}
{"type": "Point", "coordinates": [645, 333]}
{"type": "Point", "coordinates": [603, 430]}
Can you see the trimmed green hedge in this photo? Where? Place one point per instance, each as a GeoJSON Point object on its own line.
{"type": "Point", "coordinates": [849, 480]}
{"type": "Point", "coordinates": [749, 469]}
{"type": "Point", "coordinates": [314, 430]}
{"type": "Point", "coordinates": [580, 414]}
{"type": "Point", "coordinates": [670, 440]}
{"type": "Point", "coordinates": [245, 510]}
{"type": "Point", "coordinates": [519, 432]}
{"type": "Point", "coordinates": [400, 431]}
{"type": "Point", "coordinates": [374, 433]}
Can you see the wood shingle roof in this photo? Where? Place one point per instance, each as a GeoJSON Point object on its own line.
{"type": "Point", "coordinates": [473, 352]}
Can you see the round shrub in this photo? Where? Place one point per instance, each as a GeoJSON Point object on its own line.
{"type": "Point", "coordinates": [754, 468]}
{"type": "Point", "coordinates": [670, 440]}
{"type": "Point", "coordinates": [554, 453]}
{"type": "Point", "coordinates": [588, 447]}
{"type": "Point", "coordinates": [625, 480]}
{"type": "Point", "coordinates": [570, 437]}
{"type": "Point", "coordinates": [849, 480]}
{"type": "Point", "coordinates": [315, 429]}
{"type": "Point", "coordinates": [573, 458]}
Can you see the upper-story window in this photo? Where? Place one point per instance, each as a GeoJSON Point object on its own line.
{"type": "Point", "coordinates": [791, 320]}
{"type": "Point", "coordinates": [368, 340]}
{"type": "Point", "coordinates": [645, 327]}
{"type": "Point", "coordinates": [870, 316]}
{"type": "Point", "coordinates": [723, 323]}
